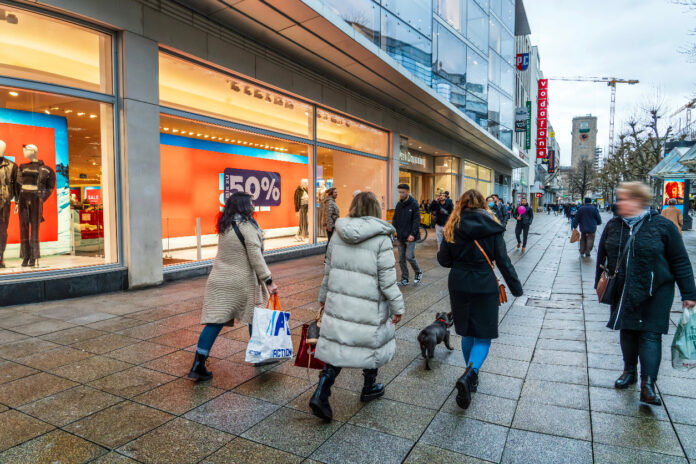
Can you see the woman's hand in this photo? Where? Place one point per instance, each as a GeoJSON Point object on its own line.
{"type": "Point", "coordinates": [272, 288]}
{"type": "Point", "coordinates": [396, 319]}
{"type": "Point", "coordinates": [688, 304]}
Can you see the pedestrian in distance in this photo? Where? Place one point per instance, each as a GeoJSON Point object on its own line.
{"type": "Point", "coordinates": [473, 236]}
{"type": "Point", "coordinates": [406, 221]}
{"type": "Point", "coordinates": [440, 211]}
{"type": "Point", "coordinates": [649, 255]}
{"type": "Point", "coordinates": [673, 214]}
{"type": "Point", "coordinates": [497, 207]}
{"type": "Point", "coordinates": [332, 212]}
{"type": "Point", "coordinates": [587, 219]}
{"type": "Point", "coordinates": [524, 216]}
{"type": "Point", "coordinates": [240, 279]}
{"type": "Point", "coordinates": [361, 302]}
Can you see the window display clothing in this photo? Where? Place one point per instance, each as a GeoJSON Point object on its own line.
{"type": "Point", "coordinates": [8, 190]}
{"type": "Point", "coordinates": [302, 206]}
{"type": "Point", "coordinates": [36, 183]}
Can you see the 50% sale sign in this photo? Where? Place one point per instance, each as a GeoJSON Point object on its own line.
{"type": "Point", "coordinates": [263, 186]}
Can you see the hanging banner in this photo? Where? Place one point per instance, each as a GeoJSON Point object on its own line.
{"type": "Point", "coordinates": [542, 118]}
{"type": "Point", "coordinates": [528, 132]}
{"type": "Point", "coordinates": [521, 117]}
{"type": "Point", "coordinates": [552, 162]}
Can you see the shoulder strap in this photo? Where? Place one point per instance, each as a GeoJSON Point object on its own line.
{"type": "Point", "coordinates": [484, 254]}
{"type": "Point", "coordinates": [239, 234]}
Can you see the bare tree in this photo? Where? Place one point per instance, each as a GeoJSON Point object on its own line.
{"type": "Point", "coordinates": [690, 48]}
{"type": "Point", "coordinates": [581, 178]}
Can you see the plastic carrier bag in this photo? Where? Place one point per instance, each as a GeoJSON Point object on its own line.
{"type": "Point", "coordinates": [684, 342]}
{"type": "Point", "coordinates": [270, 336]}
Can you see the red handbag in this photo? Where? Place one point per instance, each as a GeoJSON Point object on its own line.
{"type": "Point", "coordinates": [305, 354]}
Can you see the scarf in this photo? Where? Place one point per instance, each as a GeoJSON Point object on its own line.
{"type": "Point", "coordinates": [633, 220]}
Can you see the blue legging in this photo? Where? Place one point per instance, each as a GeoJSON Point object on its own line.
{"type": "Point", "coordinates": [475, 351]}
{"type": "Point", "coordinates": [208, 336]}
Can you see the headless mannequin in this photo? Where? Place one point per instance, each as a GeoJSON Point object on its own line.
{"type": "Point", "coordinates": [8, 192]}
{"type": "Point", "coordinates": [302, 208]}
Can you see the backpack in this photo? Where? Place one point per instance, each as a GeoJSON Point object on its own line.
{"type": "Point", "coordinates": [573, 209]}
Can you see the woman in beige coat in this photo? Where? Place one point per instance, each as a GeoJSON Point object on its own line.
{"type": "Point", "coordinates": [361, 301]}
{"type": "Point", "coordinates": [239, 281]}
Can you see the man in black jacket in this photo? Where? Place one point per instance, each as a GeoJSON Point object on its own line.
{"type": "Point", "coordinates": [524, 220]}
{"type": "Point", "coordinates": [406, 221]}
{"type": "Point", "coordinates": [440, 209]}
{"type": "Point", "coordinates": [588, 219]}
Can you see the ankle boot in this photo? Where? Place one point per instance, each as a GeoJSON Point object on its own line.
{"type": "Point", "coordinates": [629, 377]}
{"type": "Point", "coordinates": [647, 391]}
{"type": "Point", "coordinates": [319, 403]}
{"type": "Point", "coordinates": [371, 389]}
{"type": "Point", "coordinates": [464, 387]}
{"type": "Point", "coordinates": [473, 381]}
{"type": "Point", "coordinates": [198, 370]}
{"type": "Point", "coordinates": [25, 262]}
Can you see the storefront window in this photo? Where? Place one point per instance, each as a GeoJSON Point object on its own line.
{"type": "Point", "coordinates": [339, 130]}
{"type": "Point", "coordinates": [446, 178]}
{"type": "Point", "coordinates": [478, 177]}
{"type": "Point", "coordinates": [349, 173]}
{"type": "Point", "coordinates": [40, 48]}
{"type": "Point", "coordinates": [64, 193]}
{"type": "Point", "coordinates": [192, 87]}
{"type": "Point", "coordinates": [202, 164]}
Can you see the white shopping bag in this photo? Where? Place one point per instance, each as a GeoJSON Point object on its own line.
{"type": "Point", "coordinates": [270, 335]}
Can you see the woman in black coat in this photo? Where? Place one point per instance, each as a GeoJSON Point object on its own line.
{"type": "Point", "coordinates": [644, 288]}
{"type": "Point", "coordinates": [473, 286]}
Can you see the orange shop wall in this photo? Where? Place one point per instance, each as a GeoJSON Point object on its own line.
{"type": "Point", "coordinates": [191, 187]}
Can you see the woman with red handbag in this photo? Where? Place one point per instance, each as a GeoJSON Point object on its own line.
{"type": "Point", "coordinates": [473, 242]}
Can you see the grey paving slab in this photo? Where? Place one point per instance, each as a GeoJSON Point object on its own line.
{"type": "Point", "coordinates": [428, 454]}
{"type": "Point", "coordinates": [553, 420]}
{"type": "Point", "coordinates": [353, 444]}
{"type": "Point", "coordinates": [556, 393]}
{"type": "Point", "coordinates": [557, 373]}
{"type": "Point", "coordinates": [687, 437]}
{"type": "Point", "coordinates": [619, 455]}
{"type": "Point", "coordinates": [524, 447]}
{"type": "Point", "coordinates": [399, 419]}
{"type": "Point", "coordinates": [232, 413]}
{"type": "Point", "coordinates": [624, 402]}
{"type": "Point", "coordinates": [633, 432]}
{"type": "Point", "coordinates": [682, 410]}
{"type": "Point", "coordinates": [486, 408]}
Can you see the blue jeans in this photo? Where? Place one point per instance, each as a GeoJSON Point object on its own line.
{"type": "Point", "coordinates": [208, 336]}
{"type": "Point", "coordinates": [407, 252]}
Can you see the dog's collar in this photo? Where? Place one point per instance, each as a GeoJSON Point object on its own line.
{"type": "Point", "coordinates": [441, 320]}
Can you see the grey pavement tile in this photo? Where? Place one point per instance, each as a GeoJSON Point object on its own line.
{"type": "Point", "coordinates": [503, 366]}
{"type": "Point", "coordinates": [352, 444]}
{"type": "Point", "coordinates": [687, 436]}
{"type": "Point", "coordinates": [427, 454]}
{"type": "Point", "coordinates": [131, 382]}
{"type": "Point", "coordinates": [54, 447]}
{"type": "Point", "coordinates": [562, 358]}
{"type": "Point", "coordinates": [605, 361]}
{"type": "Point", "coordinates": [500, 385]}
{"type": "Point", "coordinates": [561, 334]}
{"type": "Point", "coordinates": [243, 451]}
{"type": "Point", "coordinates": [274, 387]}
{"type": "Point", "coordinates": [556, 393]}
{"type": "Point", "coordinates": [553, 420]}
{"type": "Point", "coordinates": [399, 419]}
{"type": "Point", "coordinates": [682, 410]}
{"type": "Point", "coordinates": [181, 441]}
{"type": "Point", "coordinates": [486, 408]}
{"type": "Point", "coordinates": [467, 436]}
{"type": "Point", "coordinates": [179, 396]}
{"type": "Point", "coordinates": [20, 318]}
{"type": "Point", "coordinates": [32, 388]}
{"type": "Point", "coordinates": [516, 340]}
{"type": "Point", "coordinates": [557, 373]}
{"type": "Point", "coordinates": [10, 371]}
{"type": "Point", "coordinates": [563, 324]}
{"type": "Point", "coordinates": [70, 405]}
{"type": "Point", "coordinates": [561, 345]}
{"type": "Point", "coordinates": [73, 335]}
{"type": "Point", "coordinates": [624, 402]}
{"type": "Point", "coordinates": [105, 343]}
{"type": "Point", "coordinates": [633, 432]}
{"type": "Point", "coordinates": [606, 454]}
{"type": "Point", "coordinates": [224, 348]}
{"type": "Point", "coordinates": [7, 336]}
{"type": "Point", "coordinates": [139, 353]}
{"type": "Point", "coordinates": [526, 447]}
{"type": "Point", "coordinates": [115, 324]}
{"type": "Point", "coordinates": [179, 339]}
{"type": "Point", "coordinates": [232, 413]}
{"type": "Point", "coordinates": [90, 369]}
{"type": "Point", "coordinates": [344, 403]}
{"type": "Point", "coordinates": [61, 356]}
{"type": "Point", "coordinates": [178, 363]}
{"type": "Point", "coordinates": [518, 353]}
{"type": "Point", "coordinates": [18, 427]}
{"type": "Point", "coordinates": [605, 378]}
{"type": "Point", "coordinates": [428, 389]}
{"type": "Point", "coordinates": [46, 326]}
{"type": "Point", "coordinates": [147, 331]}
{"type": "Point", "coordinates": [26, 347]}
{"type": "Point", "coordinates": [292, 431]}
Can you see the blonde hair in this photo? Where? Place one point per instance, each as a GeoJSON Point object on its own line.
{"type": "Point", "coordinates": [365, 204]}
{"type": "Point", "coordinates": [471, 199]}
{"type": "Point", "coordinates": [637, 191]}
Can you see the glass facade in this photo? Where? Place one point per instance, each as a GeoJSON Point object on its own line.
{"type": "Point", "coordinates": [463, 49]}
{"type": "Point", "coordinates": [57, 165]}
{"type": "Point", "coordinates": [244, 137]}
{"type": "Point", "coordinates": [478, 177]}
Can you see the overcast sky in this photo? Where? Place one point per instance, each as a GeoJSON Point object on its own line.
{"type": "Point", "coordinates": [628, 39]}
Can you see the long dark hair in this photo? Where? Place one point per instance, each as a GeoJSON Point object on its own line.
{"type": "Point", "coordinates": [237, 205]}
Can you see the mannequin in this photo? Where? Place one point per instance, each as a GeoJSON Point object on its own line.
{"type": "Point", "coordinates": [8, 191]}
{"type": "Point", "coordinates": [36, 181]}
{"type": "Point", "coordinates": [301, 209]}
{"type": "Point", "coordinates": [320, 208]}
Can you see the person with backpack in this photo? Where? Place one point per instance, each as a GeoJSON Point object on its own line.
{"type": "Point", "coordinates": [406, 221]}
{"type": "Point", "coordinates": [240, 279]}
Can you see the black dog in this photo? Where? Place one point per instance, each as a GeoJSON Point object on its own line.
{"type": "Point", "coordinates": [435, 333]}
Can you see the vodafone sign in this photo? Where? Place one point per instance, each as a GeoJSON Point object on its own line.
{"type": "Point", "coordinates": [542, 118]}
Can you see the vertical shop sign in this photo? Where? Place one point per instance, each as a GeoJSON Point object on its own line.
{"type": "Point", "coordinates": [542, 118]}
{"type": "Point", "coordinates": [552, 162]}
{"type": "Point", "coordinates": [528, 132]}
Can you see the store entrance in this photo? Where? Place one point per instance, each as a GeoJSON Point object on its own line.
{"type": "Point", "coordinates": [421, 185]}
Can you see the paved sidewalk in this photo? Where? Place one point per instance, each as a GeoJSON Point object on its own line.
{"type": "Point", "coordinates": [101, 379]}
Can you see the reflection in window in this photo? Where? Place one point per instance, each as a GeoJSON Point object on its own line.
{"type": "Point", "coordinates": [29, 49]}
{"type": "Point", "coordinates": [507, 116]}
{"type": "Point", "coordinates": [476, 74]}
{"type": "Point", "coordinates": [507, 78]}
{"type": "Point", "coordinates": [477, 26]}
{"type": "Point", "coordinates": [497, 7]}
{"type": "Point", "coordinates": [362, 15]}
{"type": "Point", "coordinates": [74, 141]}
{"type": "Point", "coordinates": [192, 87]}
{"type": "Point", "coordinates": [477, 110]}
{"type": "Point", "coordinates": [407, 46]}
{"type": "Point", "coordinates": [508, 14]}
{"type": "Point", "coordinates": [346, 132]}
{"type": "Point", "coordinates": [450, 58]}
{"type": "Point", "coordinates": [416, 13]}
{"type": "Point", "coordinates": [202, 164]}
{"type": "Point", "coordinates": [453, 12]}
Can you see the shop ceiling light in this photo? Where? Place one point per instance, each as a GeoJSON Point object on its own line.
{"type": "Point", "coordinates": [213, 137]}
{"type": "Point", "coordinates": [198, 135]}
{"type": "Point", "coordinates": [47, 112]}
{"type": "Point", "coordinates": [55, 108]}
{"type": "Point", "coordinates": [190, 132]}
{"type": "Point", "coordinates": [80, 113]}
{"type": "Point", "coordinates": [175, 130]}
{"type": "Point", "coordinates": [68, 111]}
{"type": "Point", "coordinates": [92, 116]}
{"type": "Point", "coordinates": [166, 129]}
{"type": "Point", "coordinates": [206, 136]}
{"type": "Point", "coordinates": [14, 94]}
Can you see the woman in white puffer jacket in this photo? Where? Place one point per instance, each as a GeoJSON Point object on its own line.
{"type": "Point", "coordinates": [361, 301]}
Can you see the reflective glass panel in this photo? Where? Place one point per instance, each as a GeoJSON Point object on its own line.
{"type": "Point", "coordinates": [202, 164]}
{"type": "Point", "coordinates": [507, 112]}
{"type": "Point", "coordinates": [476, 74]}
{"type": "Point", "coordinates": [477, 26]}
{"type": "Point", "coordinates": [336, 129]}
{"type": "Point", "coordinates": [362, 15]}
{"type": "Point", "coordinates": [39, 48]}
{"type": "Point", "coordinates": [453, 12]}
{"type": "Point", "coordinates": [508, 14]}
{"type": "Point", "coordinates": [407, 46]}
{"type": "Point", "coordinates": [477, 109]}
{"type": "Point", "coordinates": [507, 46]}
{"type": "Point", "coordinates": [497, 7]}
{"type": "Point", "coordinates": [470, 169]}
{"type": "Point", "coordinates": [65, 188]}
{"type": "Point", "coordinates": [450, 59]}
{"type": "Point", "coordinates": [191, 87]}
{"type": "Point", "coordinates": [507, 78]}
{"type": "Point", "coordinates": [416, 13]}
{"type": "Point", "coordinates": [494, 41]}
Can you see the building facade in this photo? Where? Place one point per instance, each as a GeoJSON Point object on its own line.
{"type": "Point", "coordinates": [148, 114]}
{"type": "Point", "coordinates": [584, 139]}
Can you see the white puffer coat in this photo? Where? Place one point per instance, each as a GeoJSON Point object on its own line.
{"type": "Point", "coordinates": [360, 295]}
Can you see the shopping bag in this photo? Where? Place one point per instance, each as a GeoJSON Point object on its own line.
{"type": "Point", "coordinates": [574, 236]}
{"type": "Point", "coordinates": [270, 336]}
{"type": "Point", "coordinates": [684, 342]}
{"type": "Point", "coordinates": [305, 353]}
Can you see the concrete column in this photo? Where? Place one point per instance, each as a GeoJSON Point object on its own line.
{"type": "Point", "coordinates": [142, 193]}
{"type": "Point", "coordinates": [395, 162]}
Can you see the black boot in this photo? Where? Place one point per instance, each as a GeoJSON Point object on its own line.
{"type": "Point", "coordinates": [629, 377]}
{"type": "Point", "coordinates": [647, 391]}
{"type": "Point", "coordinates": [371, 389]}
{"type": "Point", "coordinates": [25, 262]}
{"type": "Point", "coordinates": [198, 371]}
{"type": "Point", "coordinates": [473, 384]}
{"type": "Point", "coordinates": [319, 403]}
{"type": "Point", "coordinates": [464, 388]}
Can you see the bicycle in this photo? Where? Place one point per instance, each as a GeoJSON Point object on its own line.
{"type": "Point", "coordinates": [423, 233]}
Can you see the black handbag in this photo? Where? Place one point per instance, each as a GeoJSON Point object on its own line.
{"type": "Point", "coordinates": [606, 287]}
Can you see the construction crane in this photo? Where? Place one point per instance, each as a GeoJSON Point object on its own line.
{"type": "Point", "coordinates": [611, 82]}
{"type": "Point", "coordinates": [687, 108]}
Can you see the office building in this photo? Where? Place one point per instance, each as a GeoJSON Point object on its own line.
{"type": "Point", "coordinates": [584, 139]}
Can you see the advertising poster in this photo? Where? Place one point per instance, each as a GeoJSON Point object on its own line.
{"type": "Point", "coordinates": [673, 188]}
{"type": "Point", "coordinates": [50, 134]}
{"type": "Point", "coordinates": [521, 119]}
{"type": "Point", "coordinates": [198, 175]}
